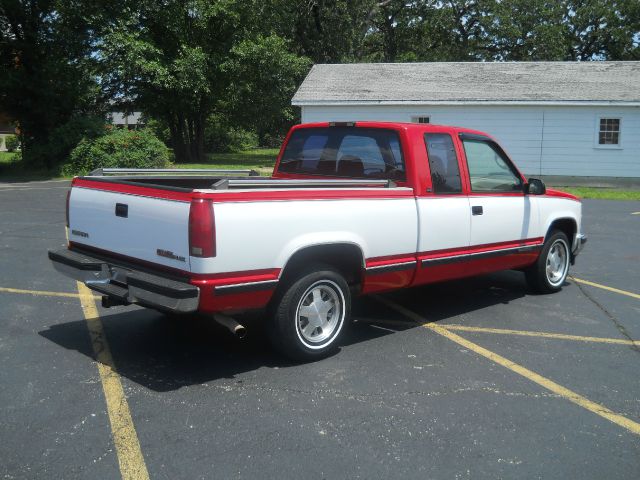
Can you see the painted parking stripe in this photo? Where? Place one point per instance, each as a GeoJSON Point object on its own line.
{"type": "Point", "coordinates": [604, 287]}
{"type": "Point", "coordinates": [18, 189]}
{"type": "Point", "coordinates": [125, 438]}
{"type": "Point", "coordinates": [27, 184]}
{"type": "Point", "coordinates": [503, 331]}
{"type": "Point", "coordinates": [528, 333]}
{"type": "Point", "coordinates": [544, 382]}
{"type": "Point", "coordinates": [41, 293]}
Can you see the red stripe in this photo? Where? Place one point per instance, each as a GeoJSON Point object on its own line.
{"type": "Point", "coordinates": [450, 252]}
{"type": "Point", "coordinates": [488, 247]}
{"type": "Point", "coordinates": [133, 190]}
{"type": "Point", "coordinates": [308, 194]}
{"type": "Point", "coordinates": [234, 278]}
{"type": "Point", "coordinates": [557, 193]}
{"type": "Point", "coordinates": [390, 260]}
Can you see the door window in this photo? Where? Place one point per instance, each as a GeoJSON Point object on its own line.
{"type": "Point", "coordinates": [489, 168]}
{"type": "Point", "coordinates": [443, 163]}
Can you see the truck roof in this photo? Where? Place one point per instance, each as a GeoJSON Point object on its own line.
{"type": "Point", "coordinates": [424, 127]}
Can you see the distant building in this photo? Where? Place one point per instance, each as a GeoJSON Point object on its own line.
{"type": "Point", "coordinates": [554, 118]}
{"type": "Point", "coordinates": [6, 128]}
{"type": "Point", "coordinates": [131, 122]}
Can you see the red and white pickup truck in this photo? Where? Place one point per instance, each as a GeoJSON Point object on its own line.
{"type": "Point", "coordinates": [351, 209]}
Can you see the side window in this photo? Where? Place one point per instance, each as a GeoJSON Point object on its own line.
{"type": "Point", "coordinates": [443, 163]}
{"type": "Point", "coordinates": [489, 168]}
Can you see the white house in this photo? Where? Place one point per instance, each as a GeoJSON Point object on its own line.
{"type": "Point", "coordinates": [129, 121]}
{"type": "Point", "coordinates": [554, 118]}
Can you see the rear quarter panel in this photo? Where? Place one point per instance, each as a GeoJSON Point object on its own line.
{"type": "Point", "coordinates": [265, 234]}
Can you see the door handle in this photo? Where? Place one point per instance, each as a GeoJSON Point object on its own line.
{"type": "Point", "coordinates": [477, 210]}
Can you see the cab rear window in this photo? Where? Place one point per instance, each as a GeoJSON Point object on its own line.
{"type": "Point", "coordinates": [344, 152]}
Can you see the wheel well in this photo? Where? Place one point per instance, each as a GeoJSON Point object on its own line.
{"type": "Point", "coordinates": [346, 258]}
{"type": "Point", "coordinates": [566, 225]}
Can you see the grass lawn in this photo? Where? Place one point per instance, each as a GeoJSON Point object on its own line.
{"type": "Point", "coordinates": [259, 159]}
{"type": "Point", "coordinates": [6, 158]}
{"type": "Point", "coordinates": [602, 193]}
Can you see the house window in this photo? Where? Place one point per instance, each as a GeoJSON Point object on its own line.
{"type": "Point", "coordinates": [421, 119]}
{"type": "Point", "coordinates": [609, 131]}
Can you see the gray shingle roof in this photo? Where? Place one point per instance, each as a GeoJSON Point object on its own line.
{"type": "Point", "coordinates": [448, 82]}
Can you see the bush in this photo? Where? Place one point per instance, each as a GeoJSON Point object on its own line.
{"type": "Point", "coordinates": [118, 149]}
{"type": "Point", "coordinates": [49, 153]}
{"type": "Point", "coordinates": [11, 142]}
{"type": "Point", "coordinates": [66, 137]}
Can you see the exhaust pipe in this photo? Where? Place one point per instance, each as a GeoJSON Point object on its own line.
{"type": "Point", "coordinates": [231, 325]}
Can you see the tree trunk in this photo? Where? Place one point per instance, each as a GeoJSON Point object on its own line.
{"type": "Point", "coordinates": [199, 139]}
{"type": "Point", "coordinates": [176, 127]}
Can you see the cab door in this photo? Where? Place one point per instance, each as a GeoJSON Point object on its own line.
{"type": "Point", "coordinates": [444, 214]}
{"type": "Point", "coordinates": [504, 221]}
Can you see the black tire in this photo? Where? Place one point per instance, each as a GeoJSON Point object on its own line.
{"type": "Point", "coordinates": [304, 338]}
{"type": "Point", "coordinates": [549, 280]}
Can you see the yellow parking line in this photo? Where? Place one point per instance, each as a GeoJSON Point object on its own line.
{"type": "Point", "coordinates": [503, 331]}
{"type": "Point", "coordinates": [604, 287]}
{"type": "Point", "coordinates": [550, 385]}
{"type": "Point", "coordinates": [635, 213]}
{"type": "Point", "coordinates": [18, 189]}
{"type": "Point", "coordinates": [125, 438]}
{"type": "Point", "coordinates": [40, 293]}
{"type": "Point", "coordinates": [528, 333]}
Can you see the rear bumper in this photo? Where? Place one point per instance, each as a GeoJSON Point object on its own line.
{"type": "Point", "coordinates": [125, 284]}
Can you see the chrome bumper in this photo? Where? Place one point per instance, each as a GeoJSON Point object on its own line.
{"type": "Point", "coordinates": [578, 243]}
{"type": "Point", "coordinates": [126, 285]}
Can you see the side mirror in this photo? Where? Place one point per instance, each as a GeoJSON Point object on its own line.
{"type": "Point", "coordinates": [535, 186]}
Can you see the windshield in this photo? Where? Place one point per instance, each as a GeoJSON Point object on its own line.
{"type": "Point", "coordinates": [344, 152]}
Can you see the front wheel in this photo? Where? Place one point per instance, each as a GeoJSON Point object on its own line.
{"type": "Point", "coordinates": [552, 266]}
{"type": "Point", "coordinates": [310, 314]}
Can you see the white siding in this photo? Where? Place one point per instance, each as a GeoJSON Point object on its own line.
{"type": "Point", "coordinates": [541, 140]}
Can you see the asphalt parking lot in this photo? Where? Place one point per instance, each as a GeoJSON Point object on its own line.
{"type": "Point", "coordinates": [470, 379]}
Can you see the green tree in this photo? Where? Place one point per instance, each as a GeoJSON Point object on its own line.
{"type": "Point", "coordinates": [602, 29]}
{"type": "Point", "coordinates": [326, 31]}
{"type": "Point", "coordinates": [263, 76]}
{"type": "Point", "coordinates": [178, 59]}
{"type": "Point", "coordinates": [46, 72]}
{"type": "Point", "coordinates": [525, 30]}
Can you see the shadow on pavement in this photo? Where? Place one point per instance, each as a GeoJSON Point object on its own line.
{"type": "Point", "coordinates": [164, 353]}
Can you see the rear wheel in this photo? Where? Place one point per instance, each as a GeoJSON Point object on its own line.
{"type": "Point", "coordinates": [550, 270]}
{"type": "Point", "coordinates": [310, 313]}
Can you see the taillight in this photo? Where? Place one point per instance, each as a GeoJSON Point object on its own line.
{"type": "Point", "coordinates": [67, 211]}
{"type": "Point", "coordinates": [202, 240]}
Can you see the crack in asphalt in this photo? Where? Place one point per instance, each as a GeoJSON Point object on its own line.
{"type": "Point", "coordinates": [610, 316]}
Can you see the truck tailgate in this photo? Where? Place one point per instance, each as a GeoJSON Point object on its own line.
{"type": "Point", "coordinates": [152, 229]}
